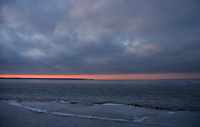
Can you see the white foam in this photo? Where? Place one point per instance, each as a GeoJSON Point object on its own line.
{"type": "Point", "coordinates": [14, 103]}
{"type": "Point", "coordinates": [35, 109]}
{"type": "Point", "coordinates": [112, 104]}
{"type": "Point", "coordinates": [135, 119]}
{"type": "Point", "coordinates": [171, 113]}
{"type": "Point", "coordinates": [64, 102]}
{"type": "Point", "coordinates": [139, 119]}
{"type": "Point", "coordinates": [89, 117]}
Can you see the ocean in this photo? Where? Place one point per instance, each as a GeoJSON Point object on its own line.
{"type": "Point", "coordinates": [79, 103]}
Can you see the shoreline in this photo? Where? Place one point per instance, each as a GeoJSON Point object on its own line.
{"type": "Point", "coordinates": [29, 115]}
{"type": "Point", "coordinates": [52, 114]}
{"type": "Point", "coordinates": [107, 103]}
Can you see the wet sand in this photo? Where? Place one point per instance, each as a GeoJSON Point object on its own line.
{"type": "Point", "coordinates": [16, 117]}
{"type": "Point", "coordinates": [62, 115]}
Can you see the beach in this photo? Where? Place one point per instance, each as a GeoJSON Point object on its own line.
{"type": "Point", "coordinates": [144, 103]}
{"type": "Point", "coordinates": [35, 114]}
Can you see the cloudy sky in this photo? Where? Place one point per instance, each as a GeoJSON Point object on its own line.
{"type": "Point", "coordinates": [86, 37]}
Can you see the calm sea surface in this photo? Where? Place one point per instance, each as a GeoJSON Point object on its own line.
{"type": "Point", "coordinates": [106, 100]}
{"type": "Point", "coordinates": [175, 94]}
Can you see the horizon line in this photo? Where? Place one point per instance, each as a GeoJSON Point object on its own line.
{"type": "Point", "coordinates": [111, 76]}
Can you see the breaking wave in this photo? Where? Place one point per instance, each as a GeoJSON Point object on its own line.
{"type": "Point", "coordinates": [135, 119]}
{"type": "Point", "coordinates": [14, 103]}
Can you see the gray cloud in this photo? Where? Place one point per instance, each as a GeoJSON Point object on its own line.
{"type": "Point", "coordinates": [99, 36]}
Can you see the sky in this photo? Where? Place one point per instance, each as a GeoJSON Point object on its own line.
{"type": "Point", "coordinates": [100, 38]}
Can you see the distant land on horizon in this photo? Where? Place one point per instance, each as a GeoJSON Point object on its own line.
{"type": "Point", "coordinates": [48, 78]}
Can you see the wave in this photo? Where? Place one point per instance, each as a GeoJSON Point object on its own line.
{"type": "Point", "coordinates": [63, 102]}
{"type": "Point", "coordinates": [106, 103]}
{"type": "Point", "coordinates": [112, 104]}
{"type": "Point", "coordinates": [171, 113]}
{"type": "Point", "coordinates": [139, 120]}
{"type": "Point", "coordinates": [89, 117]}
{"type": "Point", "coordinates": [14, 103]}
{"type": "Point", "coordinates": [135, 119]}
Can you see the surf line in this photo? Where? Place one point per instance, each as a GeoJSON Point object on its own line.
{"type": "Point", "coordinates": [135, 119]}
{"type": "Point", "coordinates": [89, 117]}
{"type": "Point", "coordinates": [15, 104]}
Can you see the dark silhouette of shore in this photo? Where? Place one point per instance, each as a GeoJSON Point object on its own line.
{"type": "Point", "coordinates": [50, 78]}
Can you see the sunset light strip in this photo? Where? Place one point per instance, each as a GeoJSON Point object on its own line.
{"type": "Point", "coordinates": [113, 76]}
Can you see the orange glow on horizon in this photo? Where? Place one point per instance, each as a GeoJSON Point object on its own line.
{"type": "Point", "coordinates": [112, 76]}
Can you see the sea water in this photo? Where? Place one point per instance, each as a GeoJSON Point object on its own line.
{"type": "Point", "coordinates": [99, 102]}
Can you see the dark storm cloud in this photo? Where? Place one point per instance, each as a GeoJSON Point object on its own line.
{"type": "Point", "coordinates": [99, 36]}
